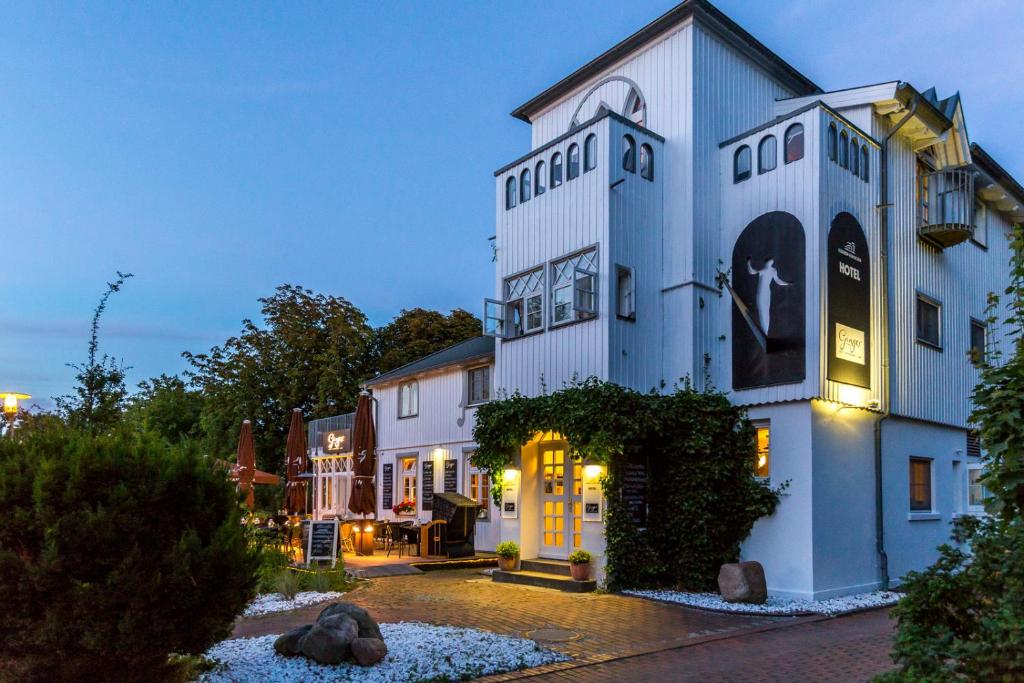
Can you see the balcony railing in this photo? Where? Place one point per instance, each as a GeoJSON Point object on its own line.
{"type": "Point", "coordinates": [945, 207]}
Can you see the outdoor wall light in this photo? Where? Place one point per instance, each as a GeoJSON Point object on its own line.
{"type": "Point", "coordinates": [509, 474]}
{"type": "Point", "coordinates": [592, 472]}
{"type": "Point", "coordinates": [853, 396]}
{"type": "Point", "coordinates": [11, 399]}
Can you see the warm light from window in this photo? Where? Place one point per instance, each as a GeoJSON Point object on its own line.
{"type": "Point", "coordinates": [762, 468]}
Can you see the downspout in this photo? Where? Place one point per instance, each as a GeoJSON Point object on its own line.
{"type": "Point", "coordinates": [884, 206]}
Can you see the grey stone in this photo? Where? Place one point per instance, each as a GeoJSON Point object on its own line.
{"type": "Point", "coordinates": [369, 651]}
{"type": "Point", "coordinates": [368, 628]}
{"type": "Point", "coordinates": [743, 582]}
{"type": "Point", "coordinates": [330, 639]}
{"type": "Point", "coordinates": [290, 644]}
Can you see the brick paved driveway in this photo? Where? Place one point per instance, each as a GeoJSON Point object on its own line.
{"type": "Point", "coordinates": [623, 637]}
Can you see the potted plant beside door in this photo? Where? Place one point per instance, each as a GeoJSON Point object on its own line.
{"type": "Point", "coordinates": [508, 554]}
{"type": "Point", "coordinates": [579, 565]}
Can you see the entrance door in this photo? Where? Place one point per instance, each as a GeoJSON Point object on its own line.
{"type": "Point", "coordinates": [560, 503]}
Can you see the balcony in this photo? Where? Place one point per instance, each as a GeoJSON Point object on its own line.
{"type": "Point", "coordinates": [945, 207]}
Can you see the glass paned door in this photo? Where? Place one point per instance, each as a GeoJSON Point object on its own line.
{"type": "Point", "coordinates": [561, 513]}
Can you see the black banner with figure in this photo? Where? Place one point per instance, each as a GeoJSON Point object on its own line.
{"type": "Point", "coordinates": [849, 303]}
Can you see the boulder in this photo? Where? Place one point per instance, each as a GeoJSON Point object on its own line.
{"type": "Point", "coordinates": [329, 641]}
{"type": "Point", "coordinates": [368, 628]}
{"type": "Point", "coordinates": [290, 644]}
{"type": "Point", "coordinates": [743, 582]}
{"type": "Point", "coordinates": [368, 651]}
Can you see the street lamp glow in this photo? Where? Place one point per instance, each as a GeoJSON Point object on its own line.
{"type": "Point", "coordinates": [11, 399]}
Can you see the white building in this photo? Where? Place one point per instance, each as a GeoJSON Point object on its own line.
{"type": "Point", "coordinates": [859, 231]}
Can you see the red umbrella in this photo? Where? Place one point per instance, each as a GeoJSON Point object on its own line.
{"type": "Point", "coordinates": [246, 456]}
{"type": "Point", "coordinates": [363, 500]}
{"type": "Point", "coordinates": [295, 464]}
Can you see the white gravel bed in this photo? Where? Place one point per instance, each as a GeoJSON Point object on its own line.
{"type": "Point", "coordinates": [830, 607]}
{"type": "Point", "coordinates": [416, 652]}
{"type": "Point", "coordinates": [268, 603]}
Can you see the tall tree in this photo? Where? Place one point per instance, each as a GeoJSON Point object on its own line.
{"type": "Point", "coordinates": [166, 407]}
{"type": "Point", "coordinates": [417, 332]}
{"type": "Point", "coordinates": [310, 353]}
{"type": "Point", "coordinates": [97, 401]}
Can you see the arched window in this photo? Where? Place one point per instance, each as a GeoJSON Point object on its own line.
{"type": "Point", "coordinates": [844, 150]}
{"type": "Point", "coordinates": [539, 179]}
{"type": "Point", "coordinates": [556, 170]}
{"type": "Point", "coordinates": [793, 146]}
{"type": "Point", "coordinates": [525, 186]}
{"type": "Point", "coordinates": [865, 176]}
{"type": "Point", "coordinates": [767, 154]}
{"type": "Point", "coordinates": [629, 153]}
{"type": "Point", "coordinates": [833, 144]}
{"type": "Point", "coordinates": [646, 162]}
{"type": "Point", "coordinates": [741, 164]}
{"type": "Point", "coordinates": [510, 192]}
{"type": "Point", "coordinates": [854, 157]}
{"type": "Point", "coordinates": [574, 162]}
{"type": "Point", "coordinates": [590, 153]}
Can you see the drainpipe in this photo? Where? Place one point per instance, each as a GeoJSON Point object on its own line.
{"type": "Point", "coordinates": [884, 206]}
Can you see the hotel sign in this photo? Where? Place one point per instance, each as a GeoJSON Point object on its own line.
{"type": "Point", "coordinates": [337, 441]}
{"type": "Point", "coordinates": [849, 303]}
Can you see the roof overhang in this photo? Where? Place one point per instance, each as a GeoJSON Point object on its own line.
{"type": "Point", "coordinates": [701, 11]}
{"type": "Point", "coordinates": [996, 186]}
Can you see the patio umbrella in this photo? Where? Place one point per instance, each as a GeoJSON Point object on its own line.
{"type": "Point", "coordinates": [295, 464]}
{"type": "Point", "coordinates": [246, 467]}
{"type": "Point", "coordinates": [363, 500]}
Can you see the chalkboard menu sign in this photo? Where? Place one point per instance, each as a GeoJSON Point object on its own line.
{"type": "Point", "coordinates": [387, 483]}
{"type": "Point", "coordinates": [322, 541]}
{"type": "Point", "coordinates": [428, 485]}
{"type": "Point", "coordinates": [451, 476]}
{"type": "Point", "coordinates": [634, 489]}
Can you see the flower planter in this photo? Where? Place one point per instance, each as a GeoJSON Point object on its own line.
{"type": "Point", "coordinates": [507, 564]}
{"type": "Point", "coordinates": [580, 572]}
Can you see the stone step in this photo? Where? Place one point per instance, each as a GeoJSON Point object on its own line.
{"type": "Point", "coordinates": [544, 580]}
{"type": "Point", "coordinates": [557, 567]}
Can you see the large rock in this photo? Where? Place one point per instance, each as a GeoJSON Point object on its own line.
{"type": "Point", "coordinates": [368, 628]}
{"type": "Point", "coordinates": [290, 644]}
{"type": "Point", "coordinates": [368, 651]}
{"type": "Point", "coordinates": [329, 641]}
{"type": "Point", "coordinates": [743, 582]}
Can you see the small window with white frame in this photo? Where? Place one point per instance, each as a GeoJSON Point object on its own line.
{"type": "Point", "coordinates": [524, 304]}
{"type": "Point", "coordinates": [979, 334]}
{"type": "Point", "coordinates": [977, 493]}
{"type": "Point", "coordinates": [921, 485]}
{"type": "Point", "coordinates": [409, 399]}
{"type": "Point", "coordinates": [478, 385]}
{"type": "Point", "coordinates": [763, 440]}
{"type": "Point", "coordinates": [928, 314]}
{"type": "Point", "coordinates": [574, 288]}
{"type": "Point", "coordinates": [625, 293]}
{"type": "Point", "coordinates": [407, 479]}
{"type": "Point", "coordinates": [478, 488]}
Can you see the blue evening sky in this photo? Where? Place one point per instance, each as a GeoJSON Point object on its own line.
{"type": "Point", "coordinates": [217, 150]}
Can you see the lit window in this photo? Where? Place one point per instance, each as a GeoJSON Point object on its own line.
{"type": "Point", "coordinates": [864, 175]}
{"type": "Point", "coordinates": [407, 470]}
{"type": "Point", "coordinates": [574, 162]}
{"type": "Point", "coordinates": [844, 150]}
{"type": "Point", "coordinates": [574, 288]}
{"type": "Point", "coordinates": [794, 143]}
{"type": "Point", "coordinates": [762, 466]}
{"type": "Point", "coordinates": [478, 381]}
{"type": "Point", "coordinates": [625, 299]}
{"type": "Point", "coordinates": [929, 321]}
{"type": "Point", "coordinates": [920, 485]}
{"type": "Point", "coordinates": [479, 485]}
{"type": "Point", "coordinates": [646, 162]}
{"type": "Point", "coordinates": [833, 144]}
{"type": "Point", "coordinates": [766, 154]}
{"type": "Point", "coordinates": [977, 493]}
{"type": "Point", "coordinates": [525, 186]}
{"type": "Point", "coordinates": [978, 334]}
{"type": "Point", "coordinates": [539, 179]}
{"type": "Point", "coordinates": [524, 304]}
{"type": "Point", "coordinates": [409, 399]}
{"type": "Point", "coordinates": [590, 153]}
{"type": "Point", "coordinates": [510, 192]}
{"type": "Point", "coordinates": [741, 164]}
{"type": "Point", "coordinates": [629, 153]}
{"type": "Point", "coordinates": [556, 170]}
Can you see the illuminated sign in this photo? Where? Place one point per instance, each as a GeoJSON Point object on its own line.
{"type": "Point", "coordinates": [338, 441]}
{"type": "Point", "coordinates": [849, 303]}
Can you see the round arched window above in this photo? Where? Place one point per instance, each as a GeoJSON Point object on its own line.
{"type": "Point", "coordinates": [646, 162]}
{"type": "Point", "coordinates": [793, 147]}
{"type": "Point", "coordinates": [539, 179]}
{"type": "Point", "coordinates": [590, 153]}
{"type": "Point", "coordinates": [556, 170]}
{"type": "Point", "coordinates": [833, 142]}
{"type": "Point", "coordinates": [741, 164]}
{"type": "Point", "coordinates": [510, 192]}
{"type": "Point", "coordinates": [525, 186]}
{"type": "Point", "coordinates": [844, 150]}
{"type": "Point", "coordinates": [574, 161]}
{"type": "Point", "coordinates": [629, 153]}
{"type": "Point", "coordinates": [767, 154]}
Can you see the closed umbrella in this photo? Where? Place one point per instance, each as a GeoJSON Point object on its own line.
{"type": "Point", "coordinates": [246, 467]}
{"type": "Point", "coordinates": [295, 465]}
{"type": "Point", "coordinates": [363, 500]}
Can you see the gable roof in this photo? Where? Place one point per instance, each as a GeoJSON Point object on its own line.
{"type": "Point", "coordinates": [476, 348]}
{"type": "Point", "coordinates": [710, 17]}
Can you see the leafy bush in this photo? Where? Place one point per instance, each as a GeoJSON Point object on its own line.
{"type": "Point", "coordinates": [507, 549]}
{"type": "Point", "coordinates": [272, 562]}
{"type": "Point", "coordinates": [579, 557]}
{"type": "Point", "coordinates": [288, 584]}
{"type": "Point", "coordinates": [319, 581]}
{"type": "Point", "coordinates": [115, 551]}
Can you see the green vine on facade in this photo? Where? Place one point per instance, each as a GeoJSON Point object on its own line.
{"type": "Point", "coordinates": [699, 453]}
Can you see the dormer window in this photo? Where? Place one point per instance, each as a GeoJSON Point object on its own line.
{"type": "Point", "coordinates": [629, 153]}
{"type": "Point", "coordinates": [556, 170]}
{"type": "Point", "coordinates": [525, 186]}
{"type": "Point", "coordinates": [590, 153]}
{"type": "Point", "coordinates": [409, 399]}
{"type": "Point", "coordinates": [574, 162]}
{"type": "Point", "coordinates": [510, 193]}
{"type": "Point", "coordinates": [741, 164]}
